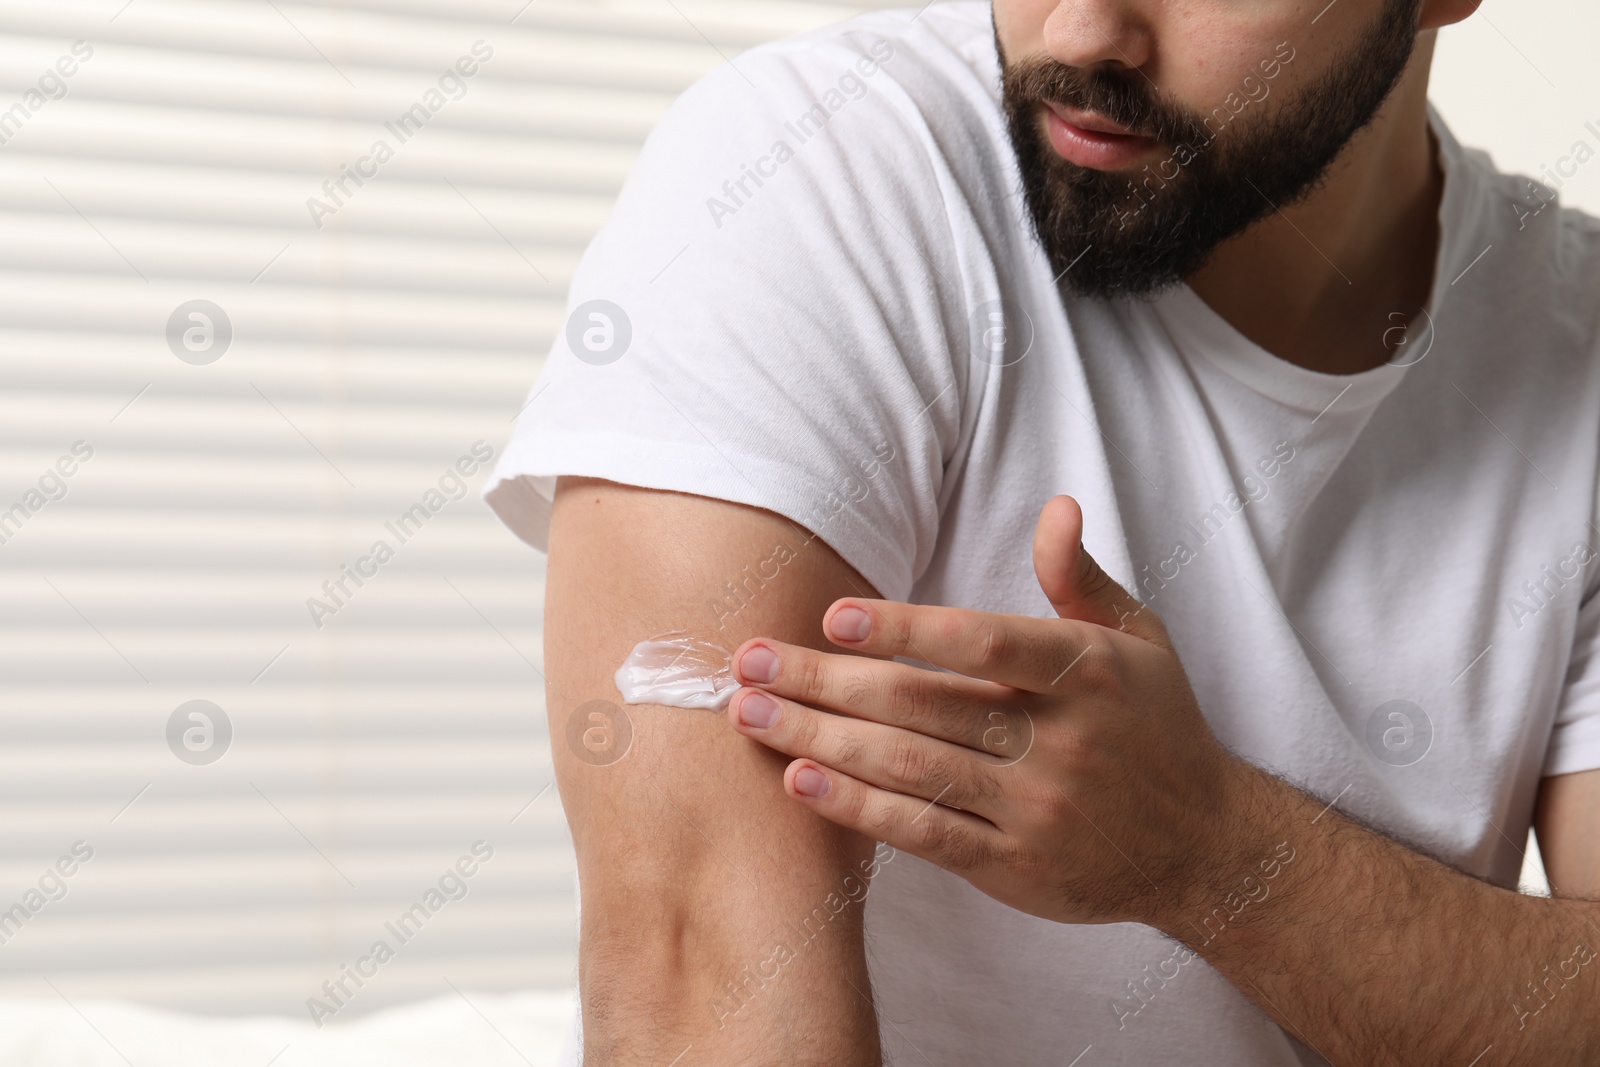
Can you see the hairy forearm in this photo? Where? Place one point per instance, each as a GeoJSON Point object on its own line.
{"type": "Point", "coordinates": [1370, 953]}
{"type": "Point", "coordinates": [749, 955]}
{"type": "Point", "coordinates": [691, 994]}
{"type": "Point", "coordinates": [727, 927]}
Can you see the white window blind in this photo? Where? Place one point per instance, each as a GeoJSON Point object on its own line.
{"type": "Point", "coordinates": [234, 456]}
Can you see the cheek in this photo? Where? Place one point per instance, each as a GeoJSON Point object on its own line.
{"type": "Point", "coordinates": [1020, 25]}
{"type": "Point", "coordinates": [1207, 51]}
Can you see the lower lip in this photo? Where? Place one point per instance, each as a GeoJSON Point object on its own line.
{"type": "Point", "coordinates": [1093, 149]}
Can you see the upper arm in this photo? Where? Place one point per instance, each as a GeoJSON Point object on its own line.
{"type": "Point", "coordinates": [697, 872]}
{"type": "Point", "coordinates": [1568, 825]}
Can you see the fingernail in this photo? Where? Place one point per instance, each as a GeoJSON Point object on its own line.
{"type": "Point", "coordinates": [808, 781]}
{"type": "Point", "coordinates": [850, 624]}
{"type": "Point", "coordinates": [757, 709]}
{"type": "Point", "coordinates": [759, 664]}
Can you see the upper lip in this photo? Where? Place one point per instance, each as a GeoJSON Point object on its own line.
{"type": "Point", "coordinates": [1088, 120]}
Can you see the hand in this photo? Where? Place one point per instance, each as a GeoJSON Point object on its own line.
{"type": "Point", "coordinates": [1064, 768]}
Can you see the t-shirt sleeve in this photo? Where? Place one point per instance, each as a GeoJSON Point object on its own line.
{"type": "Point", "coordinates": [766, 317]}
{"type": "Point", "coordinates": [1575, 739]}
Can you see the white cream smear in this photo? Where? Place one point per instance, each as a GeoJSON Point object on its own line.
{"type": "Point", "coordinates": [679, 671]}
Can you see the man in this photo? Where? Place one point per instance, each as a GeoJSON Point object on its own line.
{"type": "Point", "coordinates": [1169, 378]}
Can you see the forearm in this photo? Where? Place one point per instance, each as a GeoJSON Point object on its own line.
{"type": "Point", "coordinates": [1370, 953]}
{"type": "Point", "coordinates": [795, 995]}
{"type": "Point", "coordinates": [735, 929]}
{"type": "Point", "coordinates": [746, 948]}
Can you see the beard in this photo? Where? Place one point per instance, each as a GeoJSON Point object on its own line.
{"type": "Point", "coordinates": [1137, 233]}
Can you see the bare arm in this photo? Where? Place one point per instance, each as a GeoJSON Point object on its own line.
{"type": "Point", "coordinates": [701, 881]}
{"type": "Point", "coordinates": [1568, 825]}
{"type": "Point", "coordinates": [1374, 954]}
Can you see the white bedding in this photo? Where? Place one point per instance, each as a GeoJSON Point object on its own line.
{"type": "Point", "coordinates": [483, 1030]}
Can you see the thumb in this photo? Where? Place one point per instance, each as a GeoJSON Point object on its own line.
{"type": "Point", "coordinates": [1075, 584]}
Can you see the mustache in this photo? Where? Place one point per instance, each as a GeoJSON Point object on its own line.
{"type": "Point", "coordinates": [1124, 97]}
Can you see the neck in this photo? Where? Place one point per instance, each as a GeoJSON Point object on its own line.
{"type": "Point", "coordinates": [1324, 282]}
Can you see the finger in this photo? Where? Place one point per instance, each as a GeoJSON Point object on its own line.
{"type": "Point", "coordinates": [956, 840]}
{"type": "Point", "coordinates": [1075, 584]}
{"type": "Point", "coordinates": [1015, 650]}
{"type": "Point", "coordinates": [954, 708]}
{"type": "Point", "coordinates": [884, 756]}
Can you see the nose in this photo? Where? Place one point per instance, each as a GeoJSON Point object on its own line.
{"type": "Point", "coordinates": [1103, 33]}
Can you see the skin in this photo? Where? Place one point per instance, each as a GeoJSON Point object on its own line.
{"type": "Point", "coordinates": [1126, 809]}
{"type": "Point", "coordinates": [692, 862]}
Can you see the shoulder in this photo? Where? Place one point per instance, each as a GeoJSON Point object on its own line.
{"type": "Point", "coordinates": [1549, 253]}
{"type": "Point", "coordinates": [837, 186]}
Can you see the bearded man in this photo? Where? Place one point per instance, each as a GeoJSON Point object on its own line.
{"type": "Point", "coordinates": [1142, 471]}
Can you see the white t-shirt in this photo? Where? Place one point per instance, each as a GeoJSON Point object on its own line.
{"type": "Point", "coordinates": [1320, 546]}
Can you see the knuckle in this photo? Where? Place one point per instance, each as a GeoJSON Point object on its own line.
{"type": "Point", "coordinates": [1054, 803]}
{"type": "Point", "coordinates": [1096, 672]}
{"type": "Point", "coordinates": [856, 808]}
{"type": "Point", "coordinates": [906, 758]}
{"type": "Point", "coordinates": [927, 832]}
{"type": "Point", "coordinates": [907, 693]}
{"type": "Point", "coordinates": [952, 842]}
{"type": "Point", "coordinates": [1007, 734]}
{"type": "Point", "coordinates": [801, 725]}
{"type": "Point", "coordinates": [901, 691]}
{"type": "Point", "coordinates": [807, 676]}
{"type": "Point", "coordinates": [947, 699]}
{"type": "Point", "coordinates": [980, 785]}
{"type": "Point", "coordinates": [949, 711]}
{"type": "Point", "coordinates": [1074, 749]}
{"type": "Point", "coordinates": [992, 645]}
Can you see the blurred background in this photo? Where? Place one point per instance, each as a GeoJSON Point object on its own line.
{"type": "Point", "coordinates": [268, 363]}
